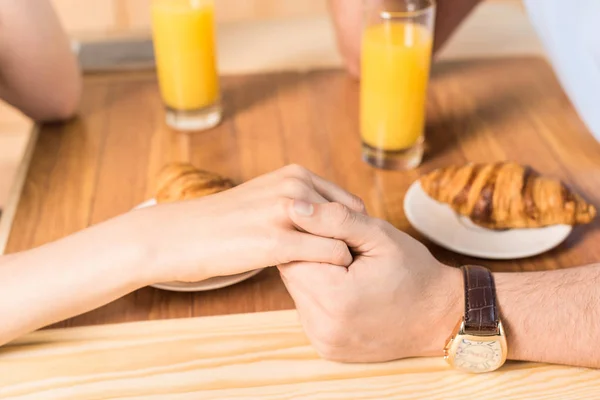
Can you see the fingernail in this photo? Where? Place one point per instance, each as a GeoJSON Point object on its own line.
{"type": "Point", "coordinates": [303, 208]}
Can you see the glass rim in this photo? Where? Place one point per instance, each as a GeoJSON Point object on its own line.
{"type": "Point", "coordinates": [408, 14]}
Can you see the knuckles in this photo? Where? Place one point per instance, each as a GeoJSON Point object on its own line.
{"type": "Point", "coordinates": [345, 215]}
{"type": "Point", "coordinates": [281, 208]}
{"type": "Point", "coordinates": [297, 183]}
{"type": "Point", "coordinates": [296, 170]}
{"type": "Point", "coordinates": [381, 228]}
{"type": "Point", "coordinates": [359, 205]}
{"type": "Point", "coordinates": [340, 213]}
{"type": "Point", "coordinates": [295, 188]}
{"type": "Point", "coordinates": [340, 255]}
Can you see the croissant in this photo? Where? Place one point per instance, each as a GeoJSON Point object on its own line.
{"type": "Point", "coordinates": [506, 195]}
{"type": "Point", "coordinates": [183, 181]}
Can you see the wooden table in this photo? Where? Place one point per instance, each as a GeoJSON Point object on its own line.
{"type": "Point", "coordinates": [106, 161]}
{"type": "Point", "coordinates": [248, 356]}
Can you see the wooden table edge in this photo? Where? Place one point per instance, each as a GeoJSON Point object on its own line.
{"type": "Point", "coordinates": [14, 195]}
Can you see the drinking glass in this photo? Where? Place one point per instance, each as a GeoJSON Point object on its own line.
{"type": "Point", "coordinates": [396, 56]}
{"type": "Point", "coordinates": [183, 33]}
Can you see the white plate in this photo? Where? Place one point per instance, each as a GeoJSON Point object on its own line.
{"type": "Point", "coordinates": [217, 282]}
{"type": "Point", "coordinates": [439, 223]}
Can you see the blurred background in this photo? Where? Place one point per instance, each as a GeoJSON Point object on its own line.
{"type": "Point", "coordinates": [253, 35]}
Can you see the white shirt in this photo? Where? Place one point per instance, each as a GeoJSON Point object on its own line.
{"type": "Point", "coordinates": [570, 31]}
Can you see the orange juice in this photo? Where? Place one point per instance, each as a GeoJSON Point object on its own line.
{"type": "Point", "coordinates": [394, 75]}
{"type": "Point", "coordinates": [184, 46]}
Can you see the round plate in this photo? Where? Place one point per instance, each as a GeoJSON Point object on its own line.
{"type": "Point", "coordinates": [217, 282]}
{"type": "Point", "coordinates": [442, 225]}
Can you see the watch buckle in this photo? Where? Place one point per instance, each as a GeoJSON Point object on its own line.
{"type": "Point", "coordinates": [461, 330]}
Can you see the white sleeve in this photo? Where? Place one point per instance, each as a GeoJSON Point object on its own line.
{"type": "Point", "coordinates": [570, 32]}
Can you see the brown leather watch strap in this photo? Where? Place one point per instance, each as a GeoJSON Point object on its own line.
{"type": "Point", "coordinates": [481, 314]}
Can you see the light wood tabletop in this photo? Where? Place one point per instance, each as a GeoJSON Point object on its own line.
{"type": "Point", "coordinates": [106, 161]}
{"type": "Point", "coordinates": [248, 356]}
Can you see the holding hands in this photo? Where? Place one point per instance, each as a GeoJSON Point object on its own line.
{"type": "Point", "coordinates": [358, 283]}
{"type": "Point", "coordinates": [364, 290]}
{"type": "Point", "coordinates": [244, 228]}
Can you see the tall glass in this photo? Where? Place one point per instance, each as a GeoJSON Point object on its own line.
{"type": "Point", "coordinates": [396, 56]}
{"type": "Point", "coordinates": [184, 47]}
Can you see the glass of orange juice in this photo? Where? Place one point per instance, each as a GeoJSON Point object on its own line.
{"type": "Point", "coordinates": [395, 59]}
{"type": "Point", "coordinates": [183, 33]}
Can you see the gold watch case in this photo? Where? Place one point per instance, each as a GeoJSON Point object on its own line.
{"type": "Point", "coordinates": [475, 353]}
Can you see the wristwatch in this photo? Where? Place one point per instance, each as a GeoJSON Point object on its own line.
{"type": "Point", "coordinates": [478, 343]}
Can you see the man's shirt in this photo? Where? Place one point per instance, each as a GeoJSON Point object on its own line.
{"type": "Point", "coordinates": [570, 31]}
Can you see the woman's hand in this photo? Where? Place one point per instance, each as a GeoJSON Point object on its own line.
{"type": "Point", "coordinates": [241, 229]}
{"type": "Point", "coordinates": [238, 230]}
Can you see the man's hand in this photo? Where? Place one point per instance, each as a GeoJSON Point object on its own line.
{"type": "Point", "coordinates": [395, 300]}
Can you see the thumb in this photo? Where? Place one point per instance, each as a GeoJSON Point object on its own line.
{"type": "Point", "coordinates": [333, 220]}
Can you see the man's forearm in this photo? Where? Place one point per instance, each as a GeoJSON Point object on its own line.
{"type": "Point", "coordinates": [552, 316]}
{"type": "Point", "coordinates": [449, 15]}
{"type": "Point", "coordinates": [347, 20]}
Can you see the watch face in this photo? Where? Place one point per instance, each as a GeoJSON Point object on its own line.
{"type": "Point", "coordinates": [476, 356]}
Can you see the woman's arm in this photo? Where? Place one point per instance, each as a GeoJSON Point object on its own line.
{"type": "Point", "coordinates": [39, 73]}
{"type": "Point", "coordinates": [347, 20]}
{"type": "Point", "coordinates": [71, 276]}
{"type": "Point", "coordinates": [238, 230]}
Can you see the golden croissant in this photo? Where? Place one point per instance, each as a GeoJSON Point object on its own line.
{"type": "Point", "coordinates": [183, 181]}
{"type": "Point", "coordinates": [506, 195]}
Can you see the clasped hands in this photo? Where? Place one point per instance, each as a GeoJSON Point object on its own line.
{"type": "Point", "coordinates": [364, 290]}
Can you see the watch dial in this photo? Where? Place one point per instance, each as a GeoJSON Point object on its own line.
{"type": "Point", "coordinates": [475, 356]}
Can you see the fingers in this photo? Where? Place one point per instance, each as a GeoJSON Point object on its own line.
{"type": "Point", "coordinates": [306, 247]}
{"type": "Point", "coordinates": [333, 192]}
{"type": "Point", "coordinates": [312, 196]}
{"type": "Point", "coordinates": [299, 177]}
{"type": "Point", "coordinates": [302, 277]}
{"type": "Point", "coordinates": [334, 220]}
{"type": "Point", "coordinates": [296, 182]}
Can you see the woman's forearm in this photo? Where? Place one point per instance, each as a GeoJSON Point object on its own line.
{"type": "Point", "coordinates": [552, 316]}
{"type": "Point", "coordinates": [70, 276]}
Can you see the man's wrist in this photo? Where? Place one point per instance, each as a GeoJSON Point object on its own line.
{"type": "Point", "coordinates": [506, 288]}
{"type": "Point", "coordinates": [446, 296]}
